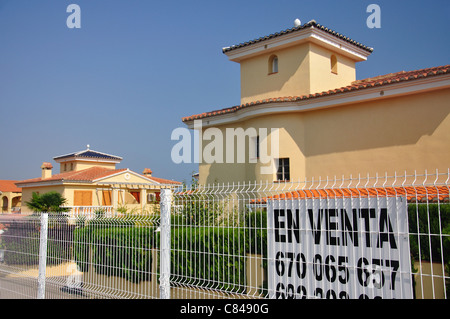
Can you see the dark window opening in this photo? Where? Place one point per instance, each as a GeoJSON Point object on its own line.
{"type": "Point", "coordinates": [283, 173]}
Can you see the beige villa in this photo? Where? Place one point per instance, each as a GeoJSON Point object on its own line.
{"type": "Point", "coordinates": [11, 197]}
{"type": "Point", "coordinates": [302, 81]}
{"type": "Point", "coordinates": [89, 180]}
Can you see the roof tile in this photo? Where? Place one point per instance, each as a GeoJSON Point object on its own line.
{"type": "Point", "coordinates": [86, 175]}
{"type": "Point", "coordinates": [310, 24]}
{"type": "Point", "coordinates": [9, 186]}
{"type": "Point", "coordinates": [163, 180]}
{"type": "Point", "coordinates": [89, 175]}
{"type": "Point", "coordinates": [413, 194]}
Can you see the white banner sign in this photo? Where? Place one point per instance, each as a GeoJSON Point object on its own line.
{"type": "Point", "coordinates": [340, 248]}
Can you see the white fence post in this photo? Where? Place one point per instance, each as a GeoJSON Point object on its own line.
{"type": "Point", "coordinates": [164, 281]}
{"type": "Point", "coordinates": [42, 256]}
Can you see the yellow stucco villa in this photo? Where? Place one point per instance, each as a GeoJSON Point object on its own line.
{"type": "Point", "coordinates": [89, 180]}
{"type": "Point", "coordinates": [302, 81]}
{"type": "Point", "coordinates": [11, 197]}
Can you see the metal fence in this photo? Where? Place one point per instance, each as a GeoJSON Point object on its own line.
{"type": "Point", "coordinates": [350, 237]}
{"type": "Point", "coordinates": [86, 257]}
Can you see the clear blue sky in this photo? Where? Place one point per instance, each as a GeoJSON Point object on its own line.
{"type": "Point", "coordinates": [124, 80]}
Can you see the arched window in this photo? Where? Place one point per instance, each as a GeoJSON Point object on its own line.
{"type": "Point", "coordinates": [333, 61]}
{"type": "Point", "coordinates": [273, 64]}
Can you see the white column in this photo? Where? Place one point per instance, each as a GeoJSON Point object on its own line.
{"type": "Point", "coordinates": [166, 201]}
{"type": "Point", "coordinates": [143, 199]}
{"type": "Point", "coordinates": [42, 256]}
{"type": "Point", "coordinates": [9, 209]}
{"type": "Point", "coordinates": [114, 199]}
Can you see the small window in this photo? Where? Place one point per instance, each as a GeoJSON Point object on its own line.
{"type": "Point", "coordinates": [257, 146]}
{"type": "Point", "coordinates": [273, 64]}
{"type": "Point", "coordinates": [283, 173]}
{"type": "Point", "coordinates": [136, 195]}
{"type": "Point", "coordinates": [253, 150]}
{"type": "Point", "coordinates": [333, 61]}
{"type": "Point", "coordinates": [106, 198]}
{"type": "Point", "coordinates": [82, 198]}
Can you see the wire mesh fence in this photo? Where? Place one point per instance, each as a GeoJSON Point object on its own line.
{"type": "Point", "coordinates": [350, 237]}
{"type": "Point", "coordinates": [87, 257]}
{"type": "Point", "coordinates": [364, 237]}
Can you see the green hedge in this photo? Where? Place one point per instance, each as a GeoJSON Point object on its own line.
{"type": "Point", "coordinates": [256, 232]}
{"type": "Point", "coordinates": [215, 256]}
{"type": "Point", "coordinates": [212, 257]}
{"type": "Point", "coordinates": [205, 256]}
{"type": "Point", "coordinates": [20, 241]}
{"type": "Point", "coordinates": [438, 219]}
{"type": "Point", "coordinates": [116, 251]}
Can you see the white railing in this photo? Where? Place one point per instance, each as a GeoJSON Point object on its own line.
{"type": "Point", "coordinates": [90, 212]}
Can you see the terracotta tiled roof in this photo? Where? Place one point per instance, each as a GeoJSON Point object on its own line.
{"type": "Point", "coordinates": [89, 175]}
{"type": "Point", "coordinates": [413, 194]}
{"type": "Point", "coordinates": [355, 86]}
{"type": "Point", "coordinates": [9, 186]}
{"type": "Point", "coordinates": [310, 24]}
{"type": "Point", "coordinates": [157, 179]}
{"type": "Point", "coordinates": [162, 180]}
{"type": "Point", "coordinates": [86, 175]}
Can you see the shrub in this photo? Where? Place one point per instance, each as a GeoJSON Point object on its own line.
{"type": "Point", "coordinates": [256, 224]}
{"type": "Point", "coordinates": [210, 257]}
{"type": "Point", "coordinates": [430, 243]}
{"type": "Point", "coordinates": [438, 218]}
{"type": "Point", "coordinates": [21, 241]}
{"type": "Point", "coordinates": [116, 251]}
{"type": "Point", "coordinates": [200, 211]}
{"type": "Point", "coordinates": [47, 202]}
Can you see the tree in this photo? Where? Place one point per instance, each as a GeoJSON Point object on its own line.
{"type": "Point", "coordinates": [50, 202]}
